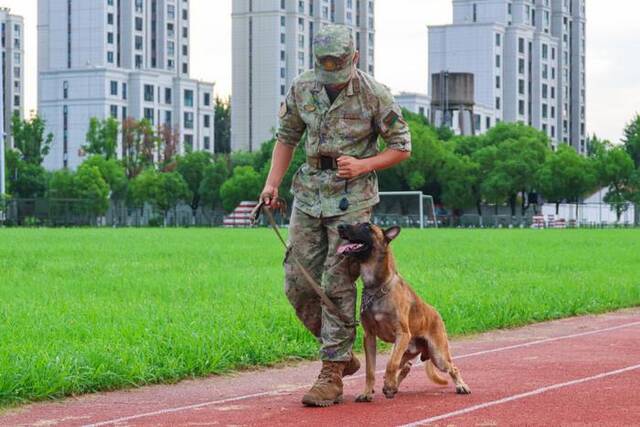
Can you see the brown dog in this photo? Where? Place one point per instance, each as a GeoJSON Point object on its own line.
{"type": "Point", "coordinates": [393, 312]}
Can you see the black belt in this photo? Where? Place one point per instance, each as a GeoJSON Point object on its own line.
{"type": "Point", "coordinates": [323, 162]}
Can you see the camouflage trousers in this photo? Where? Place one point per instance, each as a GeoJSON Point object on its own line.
{"type": "Point", "coordinates": [314, 242]}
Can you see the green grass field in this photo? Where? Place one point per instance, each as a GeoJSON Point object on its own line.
{"type": "Point", "coordinates": [88, 310]}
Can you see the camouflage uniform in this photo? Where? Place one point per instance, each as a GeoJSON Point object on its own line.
{"type": "Point", "coordinates": [348, 126]}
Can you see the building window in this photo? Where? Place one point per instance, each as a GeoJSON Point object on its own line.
{"type": "Point", "coordinates": [188, 98]}
{"type": "Point", "coordinates": [138, 24]}
{"type": "Point", "coordinates": [497, 103]}
{"type": "Point", "coordinates": [521, 66]}
{"type": "Point", "coordinates": [148, 93]}
{"type": "Point", "coordinates": [521, 107]}
{"type": "Point", "coordinates": [207, 99]}
{"type": "Point", "coordinates": [171, 11]}
{"type": "Point", "coordinates": [148, 114]}
{"type": "Point", "coordinates": [282, 90]}
{"type": "Point", "coordinates": [167, 118]}
{"type": "Point", "coordinates": [110, 18]}
{"type": "Point", "coordinates": [207, 121]}
{"type": "Point", "coordinates": [114, 111]}
{"type": "Point", "coordinates": [110, 57]}
{"type": "Point", "coordinates": [498, 61]}
{"type": "Point", "coordinates": [475, 12]}
{"type": "Point", "coordinates": [138, 61]}
{"type": "Point", "coordinates": [498, 39]}
{"type": "Point", "coordinates": [65, 89]}
{"type": "Point", "coordinates": [497, 82]}
{"type": "Point", "coordinates": [185, 68]}
{"type": "Point", "coordinates": [124, 91]}
{"type": "Point", "coordinates": [521, 45]}
{"type": "Point", "coordinates": [545, 111]}
{"type": "Point", "coordinates": [207, 143]}
{"type": "Point", "coordinates": [138, 43]}
{"type": "Point", "coordinates": [188, 120]}
{"type": "Point", "coordinates": [521, 87]}
{"type": "Point", "coordinates": [167, 95]}
{"type": "Point", "coordinates": [110, 38]}
{"type": "Point", "coordinates": [114, 88]}
{"type": "Point", "coordinates": [545, 91]}
{"type": "Point", "coordinates": [188, 143]}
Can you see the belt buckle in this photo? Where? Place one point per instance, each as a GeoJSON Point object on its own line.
{"type": "Point", "coordinates": [326, 163]}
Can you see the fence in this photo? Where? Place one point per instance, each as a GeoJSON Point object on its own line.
{"type": "Point", "coordinates": [74, 212]}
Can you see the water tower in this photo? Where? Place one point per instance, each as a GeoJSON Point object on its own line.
{"type": "Point", "coordinates": [452, 100]}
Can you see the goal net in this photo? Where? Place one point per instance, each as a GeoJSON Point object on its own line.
{"type": "Point", "coordinates": [406, 209]}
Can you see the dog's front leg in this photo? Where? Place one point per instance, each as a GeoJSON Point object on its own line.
{"type": "Point", "coordinates": [403, 338]}
{"type": "Point", "coordinates": [370, 356]}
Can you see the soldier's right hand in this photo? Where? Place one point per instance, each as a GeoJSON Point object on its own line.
{"type": "Point", "coordinates": [269, 194]}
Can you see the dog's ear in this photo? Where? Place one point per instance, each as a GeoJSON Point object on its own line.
{"type": "Point", "coordinates": [391, 233]}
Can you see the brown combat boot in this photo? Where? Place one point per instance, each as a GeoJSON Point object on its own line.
{"type": "Point", "coordinates": [328, 387]}
{"type": "Point", "coordinates": [352, 366]}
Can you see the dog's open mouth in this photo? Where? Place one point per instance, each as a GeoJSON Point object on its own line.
{"type": "Point", "coordinates": [352, 248]}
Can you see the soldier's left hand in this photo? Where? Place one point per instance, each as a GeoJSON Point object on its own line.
{"type": "Point", "coordinates": [350, 167]}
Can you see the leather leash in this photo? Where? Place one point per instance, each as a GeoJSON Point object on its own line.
{"type": "Point", "coordinates": [255, 214]}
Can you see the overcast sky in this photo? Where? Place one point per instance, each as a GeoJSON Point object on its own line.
{"type": "Point", "coordinates": [613, 46]}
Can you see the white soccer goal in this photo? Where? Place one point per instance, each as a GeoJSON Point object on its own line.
{"type": "Point", "coordinates": [405, 208]}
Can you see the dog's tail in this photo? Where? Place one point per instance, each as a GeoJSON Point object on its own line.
{"type": "Point", "coordinates": [434, 376]}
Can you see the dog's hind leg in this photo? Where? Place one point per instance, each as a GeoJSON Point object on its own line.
{"type": "Point", "coordinates": [370, 356]}
{"type": "Point", "coordinates": [405, 365]}
{"type": "Point", "coordinates": [440, 356]}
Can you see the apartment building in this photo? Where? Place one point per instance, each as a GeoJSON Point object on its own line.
{"type": "Point", "coordinates": [121, 59]}
{"type": "Point", "coordinates": [272, 43]}
{"type": "Point", "coordinates": [528, 62]}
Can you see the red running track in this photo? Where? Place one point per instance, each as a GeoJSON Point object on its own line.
{"type": "Point", "coordinates": [578, 371]}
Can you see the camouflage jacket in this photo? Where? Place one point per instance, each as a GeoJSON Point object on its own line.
{"type": "Point", "coordinates": [350, 126]}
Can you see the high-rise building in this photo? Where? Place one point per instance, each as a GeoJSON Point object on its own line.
{"type": "Point", "coordinates": [13, 68]}
{"type": "Point", "coordinates": [528, 62]}
{"type": "Point", "coordinates": [118, 58]}
{"type": "Point", "coordinates": [272, 43]}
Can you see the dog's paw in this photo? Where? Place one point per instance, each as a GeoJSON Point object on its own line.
{"type": "Point", "coordinates": [463, 389]}
{"type": "Point", "coordinates": [389, 391]}
{"type": "Point", "coordinates": [364, 398]}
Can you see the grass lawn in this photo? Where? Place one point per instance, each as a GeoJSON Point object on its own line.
{"type": "Point", "coordinates": [95, 309]}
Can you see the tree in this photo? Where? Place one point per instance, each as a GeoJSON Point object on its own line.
{"type": "Point", "coordinates": [222, 125]}
{"type": "Point", "coordinates": [102, 137]}
{"type": "Point", "coordinates": [112, 173]}
{"type": "Point", "coordinates": [61, 185]}
{"type": "Point", "coordinates": [29, 139]}
{"type": "Point", "coordinates": [631, 140]}
{"type": "Point", "coordinates": [214, 176]}
{"type": "Point", "coordinates": [566, 175]}
{"type": "Point", "coordinates": [262, 163]}
{"type": "Point", "coordinates": [168, 147]}
{"type": "Point", "coordinates": [138, 146]}
{"type": "Point", "coordinates": [26, 180]}
{"type": "Point", "coordinates": [520, 152]}
{"type": "Point", "coordinates": [143, 188]}
{"type": "Point", "coordinates": [460, 182]}
{"type": "Point", "coordinates": [92, 188]}
{"type": "Point", "coordinates": [192, 167]}
{"type": "Point", "coordinates": [245, 184]}
{"type": "Point", "coordinates": [616, 171]}
{"type": "Point", "coordinates": [170, 190]}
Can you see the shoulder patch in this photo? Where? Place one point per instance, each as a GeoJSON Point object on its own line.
{"type": "Point", "coordinates": [390, 119]}
{"type": "Point", "coordinates": [283, 109]}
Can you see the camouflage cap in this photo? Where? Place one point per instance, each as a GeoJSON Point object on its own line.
{"type": "Point", "coordinates": [334, 48]}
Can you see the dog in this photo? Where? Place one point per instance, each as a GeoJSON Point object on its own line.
{"type": "Point", "coordinates": [393, 312]}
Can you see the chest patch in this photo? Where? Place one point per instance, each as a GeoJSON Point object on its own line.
{"type": "Point", "coordinates": [310, 108]}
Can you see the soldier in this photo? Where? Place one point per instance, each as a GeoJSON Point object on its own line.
{"type": "Point", "coordinates": [342, 110]}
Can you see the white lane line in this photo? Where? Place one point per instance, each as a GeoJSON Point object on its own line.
{"type": "Point", "coordinates": [276, 392]}
{"type": "Point", "coordinates": [520, 396]}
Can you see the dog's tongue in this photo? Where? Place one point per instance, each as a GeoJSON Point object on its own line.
{"type": "Point", "coordinates": [348, 247]}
